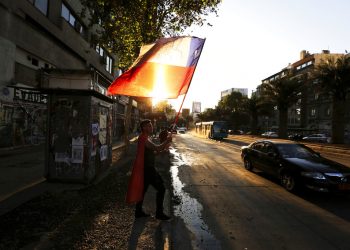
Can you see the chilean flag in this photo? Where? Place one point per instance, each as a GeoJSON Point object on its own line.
{"type": "Point", "coordinates": [163, 69]}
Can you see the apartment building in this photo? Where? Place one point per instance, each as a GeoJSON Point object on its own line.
{"type": "Point", "coordinates": [47, 44]}
{"type": "Point", "coordinates": [312, 111]}
{"type": "Point", "coordinates": [243, 91]}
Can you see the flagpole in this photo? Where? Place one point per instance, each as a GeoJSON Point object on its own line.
{"type": "Point", "coordinates": [183, 100]}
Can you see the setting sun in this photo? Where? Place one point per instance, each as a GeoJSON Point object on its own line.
{"type": "Point", "coordinates": [159, 89]}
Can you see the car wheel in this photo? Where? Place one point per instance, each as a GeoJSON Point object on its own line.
{"type": "Point", "coordinates": [289, 182]}
{"type": "Point", "coordinates": [248, 164]}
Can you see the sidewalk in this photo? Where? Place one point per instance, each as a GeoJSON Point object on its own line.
{"type": "Point", "coordinates": [71, 216]}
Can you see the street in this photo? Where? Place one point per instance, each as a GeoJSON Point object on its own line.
{"type": "Point", "coordinates": [220, 205]}
{"type": "Point", "coordinates": [21, 168]}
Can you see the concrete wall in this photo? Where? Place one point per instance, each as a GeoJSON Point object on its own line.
{"type": "Point", "coordinates": [7, 62]}
{"type": "Point", "coordinates": [49, 38]}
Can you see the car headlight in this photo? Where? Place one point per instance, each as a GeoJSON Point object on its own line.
{"type": "Point", "coordinates": [335, 174]}
{"type": "Point", "coordinates": [314, 175]}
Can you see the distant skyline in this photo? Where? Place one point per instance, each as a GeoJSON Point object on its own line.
{"type": "Point", "coordinates": [253, 39]}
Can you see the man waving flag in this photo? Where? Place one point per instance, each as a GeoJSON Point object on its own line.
{"type": "Point", "coordinates": [162, 70]}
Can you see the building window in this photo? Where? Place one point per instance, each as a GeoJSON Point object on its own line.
{"type": "Point", "coordinates": [105, 59]}
{"type": "Point", "coordinates": [316, 96]}
{"type": "Point", "coordinates": [40, 5]}
{"type": "Point", "coordinates": [109, 64]}
{"type": "Point", "coordinates": [35, 62]}
{"type": "Point", "coordinates": [65, 13]}
{"type": "Point", "coordinates": [100, 50]}
{"type": "Point", "coordinates": [313, 112]}
{"type": "Point", "coordinates": [328, 111]}
{"type": "Point", "coordinates": [71, 19]}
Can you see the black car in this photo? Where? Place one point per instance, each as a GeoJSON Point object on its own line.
{"type": "Point", "coordinates": [295, 137]}
{"type": "Point", "coordinates": [296, 166]}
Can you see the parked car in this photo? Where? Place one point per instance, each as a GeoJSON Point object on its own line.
{"type": "Point", "coordinates": [235, 132]}
{"type": "Point", "coordinates": [297, 166]}
{"type": "Point", "coordinates": [317, 138]}
{"type": "Point", "coordinates": [295, 137]}
{"type": "Point", "coordinates": [270, 134]}
{"type": "Point", "coordinates": [181, 130]}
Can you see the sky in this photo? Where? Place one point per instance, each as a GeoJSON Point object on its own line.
{"type": "Point", "coordinates": [253, 39]}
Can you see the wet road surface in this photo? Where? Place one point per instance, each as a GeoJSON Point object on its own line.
{"type": "Point", "coordinates": [220, 205]}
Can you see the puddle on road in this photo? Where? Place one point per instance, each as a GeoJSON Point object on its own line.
{"type": "Point", "coordinates": [189, 209]}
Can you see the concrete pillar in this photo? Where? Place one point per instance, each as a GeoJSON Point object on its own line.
{"type": "Point", "coordinates": [7, 68]}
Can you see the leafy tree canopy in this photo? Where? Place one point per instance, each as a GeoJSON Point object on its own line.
{"type": "Point", "coordinates": [209, 114]}
{"type": "Point", "coordinates": [333, 75]}
{"type": "Point", "coordinates": [127, 24]}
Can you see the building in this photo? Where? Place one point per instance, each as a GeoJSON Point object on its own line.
{"type": "Point", "coordinates": [196, 109]}
{"type": "Point", "coordinates": [312, 111]}
{"type": "Point", "coordinates": [226, 92]}
{"type": "Point", "coordinates": [47, 44]}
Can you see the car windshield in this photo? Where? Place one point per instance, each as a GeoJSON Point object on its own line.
{"type": "Point", "coordinates": [294, 151]}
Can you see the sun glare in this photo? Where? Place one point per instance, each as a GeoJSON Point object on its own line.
{"type": "Point", "coordinates": [159, 89]}
{"type": "Point", "coordinates": [156, 100]}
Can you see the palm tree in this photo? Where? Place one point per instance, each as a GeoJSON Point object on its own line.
{"type": "Point", "coordinates": [283, 92]}
{"type": "Point", "coordinates": [333, 76]}
{"type": "Point", "coordinates": [255, 107]}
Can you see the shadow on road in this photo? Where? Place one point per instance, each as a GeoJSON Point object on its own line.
{"type": "Point", "coordinates": [237, 143]}
{"type": "Point", "coordinates": [136, 232]}
{"type": "Point", "coordinates": [335, 203]}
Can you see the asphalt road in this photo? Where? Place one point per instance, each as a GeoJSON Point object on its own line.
{"type": "Point", "coordinates": [20, 169]}
{"type": "Point", "coordinates": [220, 205]}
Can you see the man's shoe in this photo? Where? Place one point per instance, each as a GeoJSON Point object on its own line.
{"type": "Point", "coordinates": [141, 214]}
{"type": "Point", "coordinates": [162, 216]}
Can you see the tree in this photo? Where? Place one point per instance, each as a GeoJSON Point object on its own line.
{"type": "Point", "coordinates": [283, 92]}
{"type": "Point", "coordinates": [231, 110]}
{"type": "Point", "coordinates": [123, 26]}
{"type": "Point", "coordinates": [127, 24]}
{"type": "Point", "coordinates": [333, 77]}
{"type": "Point", "coordinates": [256, 106]}
{"type": "Point", "coordinates": [209, 114]}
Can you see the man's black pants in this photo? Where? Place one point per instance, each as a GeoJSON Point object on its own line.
{"type": "Point", "coordinates": [152, 177]}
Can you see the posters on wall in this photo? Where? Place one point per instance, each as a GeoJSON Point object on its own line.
{"type": "Point", "coordinates": [62, 157]}
{"type": "Point", "coordinates": [77, 154]}
{"type": "Point", "coordinates": [78, 141]}
{"type": "Point", "coordinates": [94, 131]}
{"type": "Point", "coordinates": [103, 129]}
{"type": "Point", "coordinates": [103, 152]}
{"type": "Point", "coordinates": [78, 149]}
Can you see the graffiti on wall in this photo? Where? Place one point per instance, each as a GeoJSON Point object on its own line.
{"type": "Point", "coordinates": [22, 124]}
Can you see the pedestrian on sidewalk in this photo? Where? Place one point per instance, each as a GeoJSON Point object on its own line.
{"type": "Point", "coordinates": [145, 174]}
